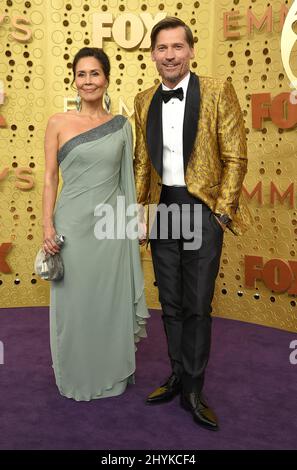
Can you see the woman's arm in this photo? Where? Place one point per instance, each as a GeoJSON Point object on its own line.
{"type": "Point", "coordinates": [50, 188]}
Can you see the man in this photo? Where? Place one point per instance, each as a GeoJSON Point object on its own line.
{"type": "Point", "coordinates": [190, 150]}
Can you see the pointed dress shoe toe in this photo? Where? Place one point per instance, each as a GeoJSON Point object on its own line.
{"type": "Point", "coordinates": [166, 392]}
{"type": "Point", "coordinates": [202, 414]}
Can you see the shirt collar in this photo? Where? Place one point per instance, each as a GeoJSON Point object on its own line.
{"type": "Point", "coordinates": [183, 84]}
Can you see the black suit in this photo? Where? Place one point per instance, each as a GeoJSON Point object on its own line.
{"type": "Point", "coordinates": [186, 279]}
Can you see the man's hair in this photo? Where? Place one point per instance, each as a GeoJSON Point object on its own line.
{"type": "Point", "coordinates": [171, 22]}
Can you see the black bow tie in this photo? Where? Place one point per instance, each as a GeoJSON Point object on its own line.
{"type": "Point", "coordinates": [167, 95]}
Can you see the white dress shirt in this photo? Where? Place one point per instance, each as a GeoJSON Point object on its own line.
{"type": "Point", "coordinates": [173, 119]}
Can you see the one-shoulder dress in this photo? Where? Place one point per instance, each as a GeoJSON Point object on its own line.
{"type": "Point", "coordinates": [98, 310]}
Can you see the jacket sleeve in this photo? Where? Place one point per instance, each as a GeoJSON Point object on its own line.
{"type": "Point", "coordinates": [233, 150]}
{"type": "Point", "coordinates": [142, 165]}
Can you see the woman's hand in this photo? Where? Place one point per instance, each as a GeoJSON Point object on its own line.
{"type": "Point", "coordinates": [49, 244]}
{"type": "Point", "coordinates": [142, 228]}
{"type": "Point", "coordinates": [142, 233]}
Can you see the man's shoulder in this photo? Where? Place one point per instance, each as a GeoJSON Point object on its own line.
{"type": "Point", "coordinates": [211, 82]}
{"type": "Point", "coordinates": [148, 93]}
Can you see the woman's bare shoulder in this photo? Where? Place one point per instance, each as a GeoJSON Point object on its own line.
{"type": "Point", "coordinates": [60, 119]}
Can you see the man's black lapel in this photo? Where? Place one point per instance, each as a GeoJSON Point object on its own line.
{"type": "Point", "coordinates": [154, 131]}
{"type": "Point", "coordinates": [191, 117]}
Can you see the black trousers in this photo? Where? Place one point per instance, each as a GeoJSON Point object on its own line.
{"type": "Point", "coordinates": [186, 282]}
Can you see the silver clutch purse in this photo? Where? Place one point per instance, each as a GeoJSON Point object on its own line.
{"type": "Point", "coordinates": [50, 267]}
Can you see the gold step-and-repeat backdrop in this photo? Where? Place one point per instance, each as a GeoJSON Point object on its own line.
{"type": "Point", "coordinates": [246, 42]}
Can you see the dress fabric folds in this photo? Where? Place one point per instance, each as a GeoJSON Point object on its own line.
{"type": "Point", "coordinates": [98, 311]}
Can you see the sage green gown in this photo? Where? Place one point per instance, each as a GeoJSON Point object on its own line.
{"type": "Point", "coordinates": [98, 311]}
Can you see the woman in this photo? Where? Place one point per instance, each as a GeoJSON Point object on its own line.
{"type": "Point", "coordinates": [98, 310]}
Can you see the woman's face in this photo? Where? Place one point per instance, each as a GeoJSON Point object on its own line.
{"type": "Point", "coordinates": [90, 80]}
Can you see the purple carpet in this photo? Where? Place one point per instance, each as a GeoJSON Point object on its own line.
{"type": "Point", "coordinates": [250, 383]}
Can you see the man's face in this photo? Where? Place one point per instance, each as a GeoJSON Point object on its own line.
{"type": "Point", "coordinates": [172, 55]}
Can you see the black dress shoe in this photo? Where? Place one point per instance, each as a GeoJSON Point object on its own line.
{"type": "Point", "coordinates": [166, 392]}
{"type": "Point", "coordinates": [201, 412]}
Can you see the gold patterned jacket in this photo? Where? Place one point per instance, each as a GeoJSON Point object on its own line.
{"type": "Point", "coordinates": [214, 144]}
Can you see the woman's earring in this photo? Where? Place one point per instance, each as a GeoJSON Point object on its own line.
{"type": "Point", "coordinates": [78, 102]}
{"type": "Point", "coordinates": [107, 101]}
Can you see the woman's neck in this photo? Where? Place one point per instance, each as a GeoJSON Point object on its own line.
{"type": "Point", "coordinates": [92, 110]}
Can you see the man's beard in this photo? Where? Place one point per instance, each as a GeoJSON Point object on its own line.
{"type": "Point", "coordinates": [179, 74]}
{"type": "Point", "coordinates": [173, 79]}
